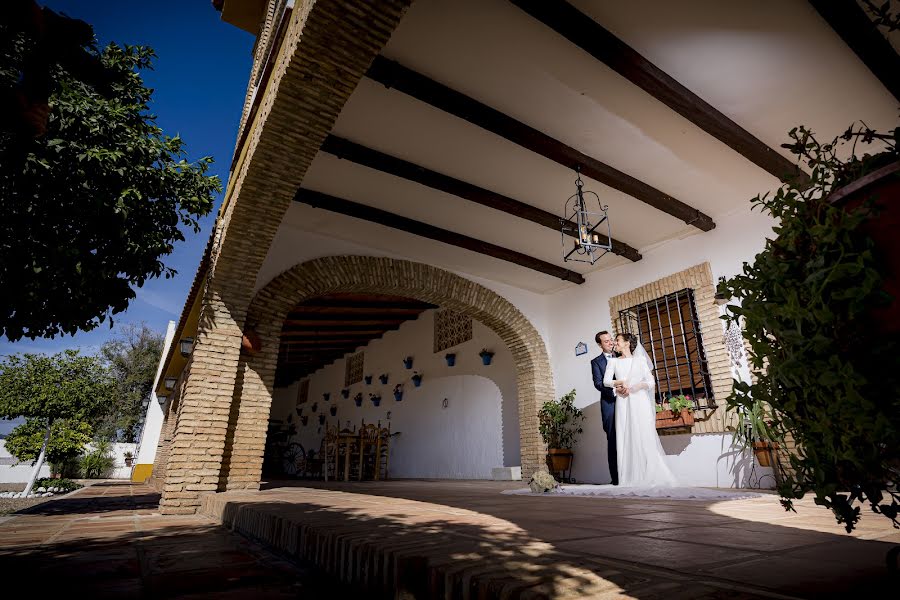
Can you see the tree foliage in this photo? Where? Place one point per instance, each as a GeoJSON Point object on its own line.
{"type": "Point", "coordinates": [92, 206]}
{"type": "Point", "coordinates": [826, 374]}
{"type": "Point", "coordinates": [133, 358]}
{"type": "Point", "coordinates": [67, 391]}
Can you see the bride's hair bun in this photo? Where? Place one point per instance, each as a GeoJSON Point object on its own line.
{"type": "Point", "coordinates": [630, 338]}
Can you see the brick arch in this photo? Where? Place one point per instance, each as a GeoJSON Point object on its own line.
{"type": "Point", "coordinates": [256, 374]}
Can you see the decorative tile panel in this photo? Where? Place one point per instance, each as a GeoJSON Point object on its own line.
{"type": "Point", "coordinates": [354, 372]}
{"type": "Point", "coordinates": [451, 329]}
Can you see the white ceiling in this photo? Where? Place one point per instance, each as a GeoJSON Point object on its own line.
{"type": "Point", "coordinates": [767, 65]}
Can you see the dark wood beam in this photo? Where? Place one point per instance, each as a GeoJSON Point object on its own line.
{"type": "Point", "coordinates": [375, 215]}
{"type": "Point", "coordinates": [850, 21]}
{"type": "Point", "coordinates": [394, 75]}
{"type": "Point", "coordinates": [331, 337]}
{"type": "Point", "coordinates": [395, 166]}
{"type": "Point", "coordinates": [590, 36]}
{"type": "Point", "coordinates": [294, 317]}
{"type": "Point", "coordinates": [314, 328]}
{"type": "Point", "coordinates": [382, 304]}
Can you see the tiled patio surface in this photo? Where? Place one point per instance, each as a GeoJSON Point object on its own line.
{"type": "Point", "coordinates": [465, 539]}
{"type": "Point", "coordinates": [108, 540]}
{"type": "Point", "coordinates": [439, 539]}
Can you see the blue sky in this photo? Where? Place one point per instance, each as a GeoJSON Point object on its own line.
{"type": "Point", "coordinates": [199, 81]}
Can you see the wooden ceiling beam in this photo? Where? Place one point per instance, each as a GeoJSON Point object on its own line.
{"type": "Point", "coordinates": [385, 163]}
{"type": "Point", "coordinates": [375, 215]}
{"type": "Point", "coordinates": [394, 75]}
{"type": "Point", "coordinates": [850, 21]}
{"type": "Point", "coordinates": [368, 304]}
{"type": "Point", "coordinates": [294, 318]}
{"type": "Point", "coordinates": [593, 38]}
{"type": "Point", "coordinates": [343, 327]}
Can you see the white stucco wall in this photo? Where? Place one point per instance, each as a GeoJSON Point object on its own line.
{"type": "Point", "coordinates": [478, 430]}
{"type": "Point", "coordinates": [575, 315]}
{"type": "Point", "coordinates": [11, 471]}
{"type": "Point", "coordinates": [153, 417]}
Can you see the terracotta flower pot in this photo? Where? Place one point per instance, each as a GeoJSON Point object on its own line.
{"type": "Point", "coordinates": [560, 459]}
{"type": "Point", "coordinates": [763, 452]}
{"type": "Point", "coordinates": [667, 420]}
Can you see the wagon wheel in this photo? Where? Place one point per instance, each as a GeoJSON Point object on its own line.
{"type": "Point", "coordinates": [293, 459]}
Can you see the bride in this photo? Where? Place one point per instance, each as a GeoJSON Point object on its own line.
{"type": "Point", "coordinates": [642, 461]}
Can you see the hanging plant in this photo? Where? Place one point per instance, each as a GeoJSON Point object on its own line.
{"type": "Point", "coordinates": [408, 362]}
{"type": "Point", "coordinates": [383, 378]}
{"type": "Point", "coordinates": [368, 379]}
{"type": "Point", "coordinates": [376, 399]}
{"type": "Point", "coordinates": [818, 319]}
{"type": "Point", "coordinates": [321, 419]}
{"type": "Point", "coordinates": [398, 392]}
{"type": "Point", "coordinates": [345, 393]}
{"type": "Point", "coordinates": [416, 378]}
{"type": "Point", "coordinates": [486, 356]}
{"type": "Point", "coordinates": [451, 359]}
{"type": "Point", "coordinates": [358, 398]}
{"type": "Point", "coordinates": [326, 396]}
{"type": "Point", "coordinates": [333, 410]}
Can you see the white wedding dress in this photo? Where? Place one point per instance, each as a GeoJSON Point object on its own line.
{"type": "Point", "coordinates": [642, 462]}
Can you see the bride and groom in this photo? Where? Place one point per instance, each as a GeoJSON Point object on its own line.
{"type": "Point", "coordinates": [626, 384]}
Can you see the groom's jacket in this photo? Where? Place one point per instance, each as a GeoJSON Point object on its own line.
{"type": "Point", "coordinates": [598, 369]}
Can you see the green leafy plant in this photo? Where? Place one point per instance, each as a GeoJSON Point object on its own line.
{"type": "Point", "coordinates": [825, 373]}
{"type": "Point", "coordinates": [681, 402]}
{"type": "Point", "coordinates": [98, 462]}
{"type": "Point", "coordinates": [560, 422]}
{"type": "Point", "coordinates": [67, 485]}
{"type": "Point", "coordinates": [96, 196]}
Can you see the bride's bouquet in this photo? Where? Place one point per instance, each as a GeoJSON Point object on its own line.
{"type": "Point", "coordinates": [542, 481]}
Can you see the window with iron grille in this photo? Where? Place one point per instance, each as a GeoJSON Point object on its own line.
{"type": "Point", "coordinates": [669, 329]}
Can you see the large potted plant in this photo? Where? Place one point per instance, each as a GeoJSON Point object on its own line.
{"type": "Point", "coordinates": [678, 415]}
{"type": "Point", "coordinates": [818, 307]}
{"type": "Point", "coordinates": [560, 426]}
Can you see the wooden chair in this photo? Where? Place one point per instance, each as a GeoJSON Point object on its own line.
{"type": "Point", "coordinates": [330, 451]}
{"type": "Point", "coordinates": [368, 443]}
{"type": "Point", "coordinates": [347, 453]}
{"type": "Point", "coordinates": [382, 451]}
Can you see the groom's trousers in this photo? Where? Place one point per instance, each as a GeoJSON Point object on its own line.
{"type": "Point", "coordinates": [608, 413]}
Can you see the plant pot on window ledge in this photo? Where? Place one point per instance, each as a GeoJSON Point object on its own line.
{"type": "Point", "coordinates": [763, 451]}
{"type": "Point", "coordinates": [666, 419]}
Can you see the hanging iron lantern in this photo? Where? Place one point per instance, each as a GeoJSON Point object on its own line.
{"type": "Point", "coordinates": [582, 224]}
{"type": "Point", "coordinates": [170, 383]}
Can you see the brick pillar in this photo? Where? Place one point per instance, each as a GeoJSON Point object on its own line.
{"type": "Point", "coordinates": [161, 458]}
{"type": "Point", "coordinates": [313, 77]}
{"type": "Point", "coordinates": [252, 403]}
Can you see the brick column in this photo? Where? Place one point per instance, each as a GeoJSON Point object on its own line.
{"type": "Point", "coordinates": [327, 49]}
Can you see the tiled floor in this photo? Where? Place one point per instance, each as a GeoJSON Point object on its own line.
{"type": "Point", "coordinates": [461, 538]}
{"type": "Point", "coordinates": [109, 541]}
{"type": "Point", "coordinates": [581, 546]}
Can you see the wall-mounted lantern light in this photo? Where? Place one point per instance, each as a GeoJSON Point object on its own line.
{"type": "Point", "coordinates": [170, 383]}
{"type": "Point", "coordinates": [162, 399]}
{"type": "Point", "coordinates": [187, 346]}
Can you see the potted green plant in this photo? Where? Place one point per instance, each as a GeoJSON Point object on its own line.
{"type": "Point", "coordinates": [358, 398]}
{"type": "Point", "coordinates": [398, 392]}
{"type": "Point", "coordinates": [383, 378]}
{"type": "Point", "coordinates": [678, 415]}
{"type": "Point", "coordinates": [818, 308]}
{"type": "Point", "coordinates": [129, 458]}
{"type": "Point", "coordinates": [416, 378]}
{"type": "Point", "coordinates": [376, 399]}
{"type": "Point", "coordinates": [560, 426]}
{"type": "Point", "coordinates": [408, 362]}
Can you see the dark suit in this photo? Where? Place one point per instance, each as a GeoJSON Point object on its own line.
{"type": "Point", "coordinates": [608, 412]}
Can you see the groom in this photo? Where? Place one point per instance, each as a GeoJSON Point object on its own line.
{"type": "Point", "coordinates": [607, 401]}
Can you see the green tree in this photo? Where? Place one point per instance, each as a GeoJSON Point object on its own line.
{"type": "Point", "coordinates": [63, 393]}
{"type": "Point", "coordinates": [133, 358]}
{"type": "Point", "coordinates": [92, 202]}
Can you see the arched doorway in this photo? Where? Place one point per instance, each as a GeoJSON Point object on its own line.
{"type": "Point", "coordinates": [256, 373]}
